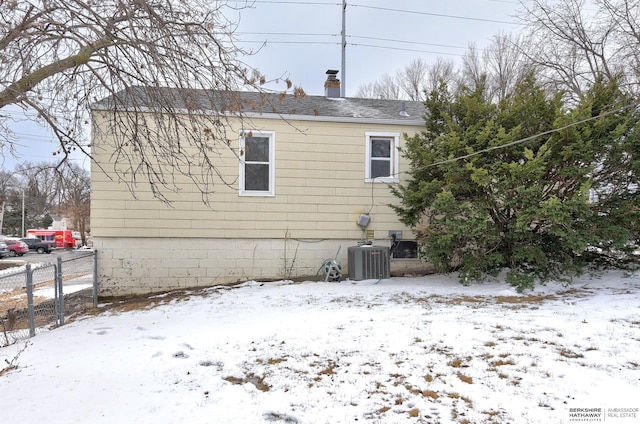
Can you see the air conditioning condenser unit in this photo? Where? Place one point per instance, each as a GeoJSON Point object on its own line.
{"type": "Point", "coordinates": [368, 262]}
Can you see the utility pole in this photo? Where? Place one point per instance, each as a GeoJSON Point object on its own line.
{"type": "Point", "coordinates": [22, 234]}
{"type": "Point", "coordinates": [2, 217]}
{"type": "Point", "coordinates": [344, 48]}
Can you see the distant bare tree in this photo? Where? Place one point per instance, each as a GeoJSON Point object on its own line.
{"type": "Point", "coordinates": [506, 64]}
{"type": "Point", "coordinates": [389, 88]}
{"type": "Point", "coordinates": [48, 188]}
{"type": "Point", "coordinates": [413, 78]}
{"type": "Point", "coordinates": [386, 87]}
{"type": "Point", "coordinates": [441, 71]}
{"type": "Point", "coordinates": [577, 42]}
{"type": "Point", "coordinates": [499, 67]}
{"type": "Point", "coordinates": [59, 56]}
{"type": "Point", "coordinates": [625, 17]}
{"type": "Point", "coordinates": [474, 69]}
{"type": "Point", "coordinates": [366, 91]}
{"type": "Point", "coordinates": [75, 197]}
{"type": "Point", "coordinates": [409, 83]}
{"type": "Point", "coordinates": [8, 184]}
{"type": "Point", "coordinates": [41, 183]}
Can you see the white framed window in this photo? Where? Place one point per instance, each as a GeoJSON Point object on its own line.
{"type": "Point", "coordinates": [257, 163]}
{"type": "Point", "coordinates": [382, 157]}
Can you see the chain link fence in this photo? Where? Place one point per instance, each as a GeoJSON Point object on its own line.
{"type": "Point", "coordinates": [36, 298]}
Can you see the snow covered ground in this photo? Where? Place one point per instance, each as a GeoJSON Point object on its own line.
{"type": "Point", "coordinates": [403, 350]}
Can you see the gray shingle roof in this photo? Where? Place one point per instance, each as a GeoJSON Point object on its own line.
{"type": "Point", "coordinates": [265, 104]}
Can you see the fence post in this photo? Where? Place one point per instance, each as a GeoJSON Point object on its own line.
{"type": "Point", "coordinates": [58, 284]}
{"type": "Point", "coordinates": [56, 292]}
{"type": "Point", "coordinates": [95, 278]}
{"type": "Point", "coordinates": [30, 311]}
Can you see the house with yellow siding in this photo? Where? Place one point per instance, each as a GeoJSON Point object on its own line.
{"type": "Point", "coordinates": [306, 180]}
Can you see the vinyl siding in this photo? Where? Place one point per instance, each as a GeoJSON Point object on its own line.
{"type": "Point", "coordinates": [320, 190]}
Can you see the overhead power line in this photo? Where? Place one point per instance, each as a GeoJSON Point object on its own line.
{"type": "Point", "coordinates": [386, 9]}
{"type": "Point", "coordinates": [391, 40]}
{"type": "Point", "coordinates": [377, 46]}
{"type": "Point", "coordinates": [440, 15]}
{"type": "Point", "coordinates": [294, 34]}
{"type": "Point", "coordinates": [404, 49]}
{"type": "Point", "coordinates": [267, 42]}
{"type": "Point", "coordinates": [299, 3]}
{"type": "Point", "coordinates": [407, 42]}
{"type": "Point", "coordinates": [367, 45]}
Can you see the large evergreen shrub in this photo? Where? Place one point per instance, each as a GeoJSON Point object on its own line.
{"type": "Point", "coordinates": [531, 184]}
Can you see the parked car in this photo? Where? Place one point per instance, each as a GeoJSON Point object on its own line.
{"type": "Point", "coordinates": [4, 249]}
{"type": "Point", "coordinates": [38, 245]}
{"type": "Point", "coordinates": [16, 247]}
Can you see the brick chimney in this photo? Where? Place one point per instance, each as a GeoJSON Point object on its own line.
{"type": "Point", "coordinates": [332, 84]}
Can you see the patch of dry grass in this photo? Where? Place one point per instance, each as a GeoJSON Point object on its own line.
{"type": "Point", "coordinates": [257, 381]}
{"type": "Point", "coordinates": [567, 353]}
{"type": "Point", "coordinates": [512, 302]}
{"type": "Point", "coordinates": [329, 369]}
{"type": "Point", "coordinates": [271, 361]}
{"type": "Point", "coordinates": [383, 410]}
{"type": "Point", "coordinates": [502, 362]}
{"type": "Point", "coordinates": [493, 416]}
{"type": "Point", "coordinates": [455, 363]}
{"type": "Point", "coordinates": [529, 299]}
{"type": "Point", "coordinates": [457, 396]}
{"type": "Point", "coordinates": [465, 378]}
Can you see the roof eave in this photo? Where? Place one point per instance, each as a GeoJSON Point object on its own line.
{"type": "Point", "coordinates": [295, 117]}
{"type": "Point", "coordinates": [345, 119]}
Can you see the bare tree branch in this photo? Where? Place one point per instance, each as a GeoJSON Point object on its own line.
{"type": "Point", "coordinates": [576, 42]}
{"type": "Point", "coordinates": [58, 57]}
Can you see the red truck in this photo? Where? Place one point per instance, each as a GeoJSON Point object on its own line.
{"type": "Point", "coordinates": [62, 238]}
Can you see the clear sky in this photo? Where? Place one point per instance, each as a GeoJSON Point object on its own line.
{"type": "Point", "coordinates": [303, 40]}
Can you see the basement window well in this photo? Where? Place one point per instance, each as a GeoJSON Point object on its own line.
{"type": "Point", "coordinates": [404, 249]}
